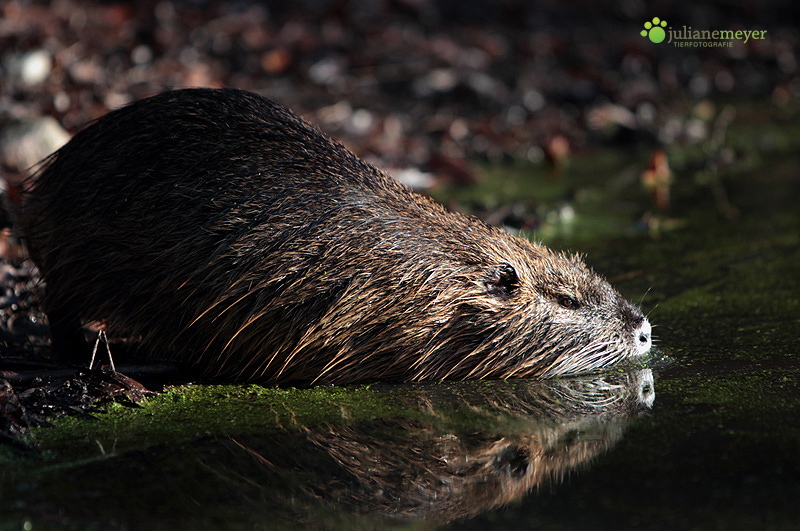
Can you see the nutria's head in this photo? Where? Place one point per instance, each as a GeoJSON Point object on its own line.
{"type": "Point", "coordinates": [567, 318]}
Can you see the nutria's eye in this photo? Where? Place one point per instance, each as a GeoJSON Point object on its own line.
{"type": "Point", "coordinates": [568, 302]}
{"type": "Point", "coordinates": [503, 281]}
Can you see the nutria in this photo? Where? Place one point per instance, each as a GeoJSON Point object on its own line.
{"type": "Point", "coordinates": [230, 235]}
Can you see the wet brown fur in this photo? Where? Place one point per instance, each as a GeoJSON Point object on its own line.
{"type": "Point", "coordinates": [230, 235]}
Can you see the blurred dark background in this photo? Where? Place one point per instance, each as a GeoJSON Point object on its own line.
{"type": "Point", "coordinates": [405, 83]}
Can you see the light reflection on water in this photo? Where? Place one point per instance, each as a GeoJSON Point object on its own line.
{"type": "Point", "coordinates": [461, 448]}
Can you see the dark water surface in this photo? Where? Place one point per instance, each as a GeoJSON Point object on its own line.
{"type": "Point", "coordinates": [707, 436]}
{"type": "Point", "coordinates": [719, 447]}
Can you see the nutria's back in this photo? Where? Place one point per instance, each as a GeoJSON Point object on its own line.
{"type": "Point", "coordinates": [230, 235]}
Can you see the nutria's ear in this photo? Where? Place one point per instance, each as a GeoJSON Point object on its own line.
{"type": "Point", "coordinates": [503, 281]}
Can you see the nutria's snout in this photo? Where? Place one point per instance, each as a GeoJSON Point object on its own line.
{"type": "Point", "coordinates": [226, 233]}
{"type": "Point", "coordinates": [643, 337]}
{"type": "Point", "coordinates": [641, 330]}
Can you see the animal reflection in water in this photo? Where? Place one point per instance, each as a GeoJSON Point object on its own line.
{"type": "Point", "coordinates": [403, 468]}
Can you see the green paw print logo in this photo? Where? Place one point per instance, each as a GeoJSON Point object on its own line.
{"type": "Point", "coordinates": [655, 30]}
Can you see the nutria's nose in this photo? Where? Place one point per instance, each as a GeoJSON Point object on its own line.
{"type": "Point", "coordinates": [643, 336]}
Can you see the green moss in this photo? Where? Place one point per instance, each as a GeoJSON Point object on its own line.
{"type": "Point", "coordinates": [193, 411]}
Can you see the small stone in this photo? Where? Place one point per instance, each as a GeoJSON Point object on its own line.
{"type": "Point", "coordinates": [25, 142]}
{"type": "Point", "coordinates": [35, 67]}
